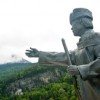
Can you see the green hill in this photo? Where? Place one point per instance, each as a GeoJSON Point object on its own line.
{"type": "Point", "coordinates": [38, 82]}
{"type": "Point", "coordinates": [9, 69]}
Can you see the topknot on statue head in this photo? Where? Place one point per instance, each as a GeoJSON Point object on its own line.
{"type": "Point", "coordinates": [80, 13]}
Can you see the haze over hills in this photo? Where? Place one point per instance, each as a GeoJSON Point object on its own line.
{"type": "Point", "coordinates": [15, 59]}
{"type": "Point", "coordinates": [13, 65]}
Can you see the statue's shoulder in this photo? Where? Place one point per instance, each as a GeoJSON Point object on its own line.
{"type": "Point", "coordinates": [91, 40]}
{"type": "Point", "coordinates": [95, 35]}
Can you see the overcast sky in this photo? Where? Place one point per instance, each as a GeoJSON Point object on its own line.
{"type": "Point", "coordinates": [39, 24]}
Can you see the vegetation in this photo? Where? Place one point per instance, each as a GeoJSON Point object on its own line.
{"type": "Point", "coordinates": [61, 90]}
{"type": "Point", "coordinates": [7, 70]}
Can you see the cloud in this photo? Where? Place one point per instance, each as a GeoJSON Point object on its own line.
{"type": "Point", "coordinates": [39, 24]}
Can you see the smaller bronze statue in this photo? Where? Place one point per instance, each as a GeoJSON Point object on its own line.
{"type": "Point", "coordinates": [85, 59]}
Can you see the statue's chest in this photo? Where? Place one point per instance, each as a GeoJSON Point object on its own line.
{"type": "Point", "coordinates": [82, 56]}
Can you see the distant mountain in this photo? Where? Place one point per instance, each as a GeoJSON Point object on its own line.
{"type": "Point", "coordinates": [13, 65]}
{"type": "Point", "coordinates": [15, 59]}
{"type": "Point", "coordinates": [6, 70]}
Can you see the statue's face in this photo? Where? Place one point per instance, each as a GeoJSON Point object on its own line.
{"type": "Point", "coordinates": [77, 28]}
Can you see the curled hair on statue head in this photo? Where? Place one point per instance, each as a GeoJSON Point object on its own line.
{"type": "Point", "coordinates": [86, 22]}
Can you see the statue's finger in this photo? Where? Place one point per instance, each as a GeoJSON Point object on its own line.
{"type": "Point", "coordinates": [32, 48]}
{"type": "Point", "coordinates": [27, 53]}
{"type": "Point", "coordinates": [29, 50]}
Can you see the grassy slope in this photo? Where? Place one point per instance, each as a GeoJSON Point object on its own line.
{"type": "Point", "coordinates": [62, 90]}
{"type": "Point", "coordinates": [7, 70]}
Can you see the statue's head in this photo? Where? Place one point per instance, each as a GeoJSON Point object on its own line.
{"type": "Point", "coordinates": [81, 20]}
{"type": "Point", "coordinates": [80, 13]}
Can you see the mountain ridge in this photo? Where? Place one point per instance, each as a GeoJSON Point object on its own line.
{"type": "Point", "coordinates": [15, 59]}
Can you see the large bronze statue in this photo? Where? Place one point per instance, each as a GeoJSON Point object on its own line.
{"type": "Point", "coordinates": [85, 59]}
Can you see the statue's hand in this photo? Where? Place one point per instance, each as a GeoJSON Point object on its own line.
{"type": "Point", "coordinates": [32, 52]}
{"type": "Point", "coordinates": [73, 70]}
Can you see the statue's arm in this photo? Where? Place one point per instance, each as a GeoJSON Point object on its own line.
{"type": "Point", "coordinates": [56, 57]}
{"type": "Point", "coordinates": [92, 69]}
{"type": "Point", "coordinates": [48, 57]}
{"type": "Point", "coordinates": [52, 57]}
